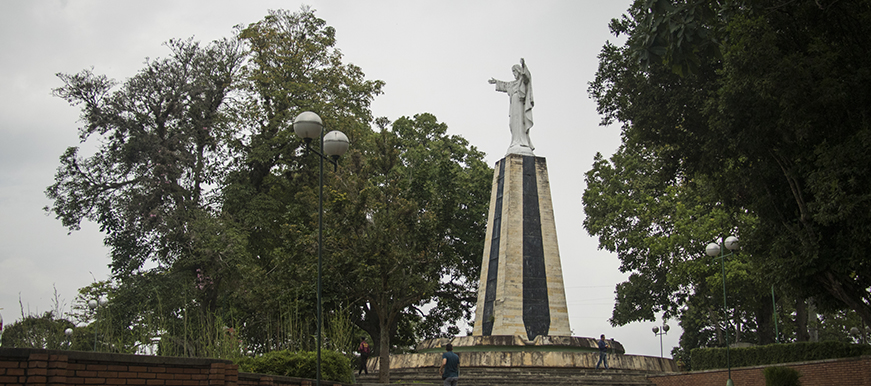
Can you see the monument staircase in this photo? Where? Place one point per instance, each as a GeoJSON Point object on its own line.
{"type": "Point", "coordinates": [517, 376]}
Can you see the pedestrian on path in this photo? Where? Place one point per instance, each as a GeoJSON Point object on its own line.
{"type": "Point", "coordinates": [450, 368]}
{"type": "Point", "coordinates": [603, 351]}
{"type": "Point", "coordinates": [364, 351]}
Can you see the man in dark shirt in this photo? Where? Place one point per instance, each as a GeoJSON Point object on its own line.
{"type": "Point", "coordinates": [603, 351]}
{"type": "Point", "coordinates": [450, 368]}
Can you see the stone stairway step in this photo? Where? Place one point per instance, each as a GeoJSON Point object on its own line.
{"type": "Point", "coordinates": [518, 376]}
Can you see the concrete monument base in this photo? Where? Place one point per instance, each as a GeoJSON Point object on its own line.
{"type": "Point", "coordinates": [513, 359]}
{"type": "Point", "coordinates": [517, 351]}
{"type": "Point", "coordinates": [514, 343]}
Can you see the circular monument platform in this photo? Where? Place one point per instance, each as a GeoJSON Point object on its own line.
{"type": "Point", "coordinates": [508, 351]}
{"type": "Point", "coordinates": [516, 343]}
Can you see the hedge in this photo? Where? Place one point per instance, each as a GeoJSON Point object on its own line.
{"type": "Point", "coordinates": [302, 364]}
{"type": "Point", "coordinates": [715, 358]}
{"type": "Point", "coordinates": [781, 376]}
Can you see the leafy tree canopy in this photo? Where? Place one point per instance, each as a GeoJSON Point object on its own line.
{"type": "Point", "coordinates": [745, 118]}
{"type": "Point", "coordinates": [412, 213]}
{"type": "Point", "coordinates": [39, 331]}
{"type": "Point", "coordinates": [209, 200]}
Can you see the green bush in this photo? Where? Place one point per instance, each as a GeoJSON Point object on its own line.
{"type": "Point", "coordinates": [715, 358]}
{"type": "Point", "coordinates": [303, 364]}
{"type": "Point", "coordinates": [781, 376]}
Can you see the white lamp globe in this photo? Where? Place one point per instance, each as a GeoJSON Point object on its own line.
{"type": "Point", "coordinates": [335, 144]}
{"type": "Point", "coordinates": [731, 243]}
{"type": "Point", "coordinates": [308, 125]}
{"type": "Point", "coordinates": [713, 249]}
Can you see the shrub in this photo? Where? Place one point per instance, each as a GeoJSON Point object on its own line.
{"type": "Point", "coordinates": [303, 364]}
{"type": "Point", "coordinates": [715, 358]}
{"type": "Point", "coordinates": [781, 376]}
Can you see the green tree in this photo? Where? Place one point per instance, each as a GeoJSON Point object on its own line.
{"type": "Point", "coordinates": [44, 331]}
{"type": "Point", "coordinates": [412, 209]}
{"type": "Point", "coordinates": [762, 104]}
{"type": "Point", "coordinates": [159, 150]}
{"type": "Point", "coordinates": [271, 190]}
{"type": "Point", "coordinates": [199, 174]}
{"type": "Point", "coordinates": [801, 130]}
{"type": "Point", "coordinates": [680, 34]}
{"type": "Point", "coordinates": [655, 226]}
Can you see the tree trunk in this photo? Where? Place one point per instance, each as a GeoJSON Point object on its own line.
{"type": "Point", "coordinates": [384, 353]}
{"type": "Point", "coordinates": [386, 315]}
{"type": "Point", "coordinates": [846, 292]}
{"type": "Point", "coordinates": [738, 333]}
{"type": "Point", "coordinates": [764, 325]}
{"type": "Point", "coordinates": [715, 321]}
{"type": "Point", "coordinates": [813, 321]}
{"type": "Point", "coordinates": [801, 334]}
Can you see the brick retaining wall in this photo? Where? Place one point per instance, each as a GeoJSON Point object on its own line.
{"type": "Point", "coordinates": [829, 372]}
{"type": "Point", "coordinates": [51, 367]}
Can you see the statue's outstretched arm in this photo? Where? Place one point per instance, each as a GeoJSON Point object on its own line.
{"type": "Point", "coordinates": [500, 85]}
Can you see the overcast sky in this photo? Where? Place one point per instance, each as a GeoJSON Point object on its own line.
{"type": "Point", "coordinates": [435, 57]}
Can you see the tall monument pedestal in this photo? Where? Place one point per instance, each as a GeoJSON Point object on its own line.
{"type": "Point", "coordinates": [522, 334]}
{"type": "Point", "coordinates": [521, 288]}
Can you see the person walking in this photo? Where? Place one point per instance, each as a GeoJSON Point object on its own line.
{"type": "Point", "coordinates": [364, 351]}
{"type": "Point", "coordinates": [603, 351]}
{"type": "Point", "coordinates": [450, 368]}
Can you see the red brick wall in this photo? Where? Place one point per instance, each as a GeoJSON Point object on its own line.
{"type": "Point", "coordinates": [49, 367]}
{"type": "Point", "coordinates": [46, 367]}
{"type": "Point", "coordinates": [830, 372]}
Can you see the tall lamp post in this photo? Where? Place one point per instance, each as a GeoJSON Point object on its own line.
{"type": "Point", "coordinates": [93, 304]}
{"type": "Point", "coordinates": [69, 333]}
{"type": "Point", "coordinates": [665, 329]}
{"type": "Point", "coordinates": [716, 251]}
{"type": "Point", "coordinates": [309, 126]}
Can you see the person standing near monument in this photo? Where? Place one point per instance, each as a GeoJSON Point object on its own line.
{"type": "Point", "coordinates": [520, 110]}
{"type": "Point", "coordinates": [603, 351]}
{"type": "Point", "coordinates": [450, 368]}
{"type": "Point", "coordinates": [364, 351]}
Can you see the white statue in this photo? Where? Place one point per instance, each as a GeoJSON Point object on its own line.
{"type": "Point", "coordinates": [520, 110]}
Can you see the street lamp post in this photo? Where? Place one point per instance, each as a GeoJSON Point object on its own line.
{"type": "Point", "coordinates": [716, 251]}
{"type": "Point", "coordinates": [69, 333]}
{"type": "Point", "coordinates": [309, 126]}
{"type": "Point", "coordinates": [665, 329]}
{"type": "Point", "coordinates": [93, 304]}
